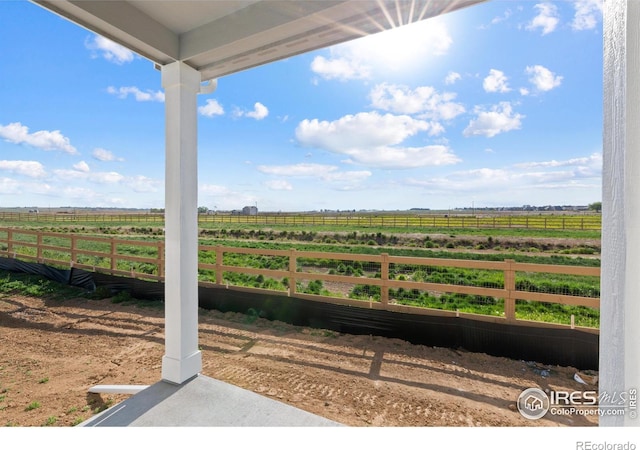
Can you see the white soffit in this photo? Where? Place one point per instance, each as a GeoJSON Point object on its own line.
{"type": "Point", "coordinates": [219, 37]}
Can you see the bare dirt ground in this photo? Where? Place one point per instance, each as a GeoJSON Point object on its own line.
{"type": "Point", "coordinates": [53, 351]}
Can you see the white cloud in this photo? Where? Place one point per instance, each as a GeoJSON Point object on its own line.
{"type": "Point", "coordinates": [588, 14]}
{"type": "Point", "coordinates": [139, 95]}
{"type": "Point", "coordinates": [278, 185]}
{"type": "Point", "coordinates": [398, 49]}
{"type": "Point", "coordinates": [104, 155]}
{"type": "Point", "coordinates": [298, 170]}
{"type": "Point", "coordinates": [106, 177]}
{"type": "Point", "coordinates": [70, 175]}
{"type": "Point", "coordinates": [369, 139]}
{"type": "Point", "coordinates": [363, 130]}
{"type": "Point", "coordinates": [9, 186]}
{"type": "Point", "coordinates": [212, 108]}
{"type": "Point", "coordinates": [501, 18]}
{"type": "Point", "coordinates": [542, 78]}
{"type": "Point", "coordinates": [324, 172]}
{"type": "Point", "coordinates": [403, 157]}
{"type": "Point", "coordinates": [32, 169]}
{"type": "Point", "coordinates": [468, 180]}
{"type": "Point", "coordinates": [94, 177]}
{"type": "Point", "coordinates": [501, 118]}
{"type": "Point", "coordinates": [523, 180]}
{"type": "Point", "coordinates": [40, 188]}
{"type": "Point", "coordinates": [496, 81]}
{"type": "Point", "coordinates": [215, 189]}
{"type": "Point", "coordinates": [221, 197]}
{"type": "Point", "coordinates": [340, 68]}
{"type": "Point", "coordinates": [547, 19]}
{"type": "Point", "coordinates": [140, 183]}
{"type": "Point", "coordinates": [82, 166]}
{"type": "Point", "coordinates": [452, 77]}
{"type": "Point", "coordinates": [349, 176]}
{"type": "Point", "coordinates": [423, 100]}
{"type": "Point", "coordinates": [109, 50]}
{"type": "Point", "coordinates": [85, 194]}
{"type": "Point", "coordinates": [591, 162]}
{"type": "Point", "coordinates": [46, 140]}
{"type": "Point", "coordinates": [259, 111]}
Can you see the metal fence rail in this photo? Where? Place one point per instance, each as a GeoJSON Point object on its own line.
{"type": "Point", "coordinates": [497, 221]}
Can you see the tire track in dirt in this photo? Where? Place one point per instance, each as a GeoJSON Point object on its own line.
{"type": "Point", "coordinates": [365, 401]}
{"type": "Point", "coordinates": [358, 404]}
{"type": "Point", "coordinates": [374, 382]}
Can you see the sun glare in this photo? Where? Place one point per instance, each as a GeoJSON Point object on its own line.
{"type": "Point", "coordinates": [403, 48]}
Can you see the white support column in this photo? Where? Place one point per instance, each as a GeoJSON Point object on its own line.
{"type": "Point", "coordinates": [182, 359]}
{"type": "Point", "coordinates": [620, 273]}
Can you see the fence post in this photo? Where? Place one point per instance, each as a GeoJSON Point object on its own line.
{"type": "Point", "coordinates": [161, 260]}
{"type": "Point", "coordinates": [74, 253]}
{"type": "Point", "coordinates": [9, 241]}
{"type": "Point", "coordinates": [384, 276]}
{"type": "Point", "coordinates": [293, 266]}
{"type": "Point", "coordinates": [39, 248]}
{"type": "Point", "coordinates": [219, 261]}
{"type": "Point", "coordinates": [509, 288]}
{"type": "Point", "coordinates": [112, 255]}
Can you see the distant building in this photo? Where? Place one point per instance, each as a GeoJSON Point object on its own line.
{"type": "Point", "coordinates": [250, 211]}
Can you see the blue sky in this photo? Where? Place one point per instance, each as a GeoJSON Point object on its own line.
{"type": "Point", "coordinates": [499, 104]}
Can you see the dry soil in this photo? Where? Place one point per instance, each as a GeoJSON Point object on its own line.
{"type": "Point", "coordinates": [53, 351]}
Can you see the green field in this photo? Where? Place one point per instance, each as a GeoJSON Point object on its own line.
{"type": "Point", "coordinates": [372, 220]}
{"type": "Point", "coordinates": [537, 246]}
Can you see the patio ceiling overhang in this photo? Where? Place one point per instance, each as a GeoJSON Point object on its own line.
{"type": "Point", "coordinates": [219, 37]}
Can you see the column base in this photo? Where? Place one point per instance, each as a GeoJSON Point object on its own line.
{"type": "Point", "coordinates": [177, 371]}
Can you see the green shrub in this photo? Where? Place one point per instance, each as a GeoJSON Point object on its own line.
{"type": "Point", "coordinates": [121, 297]}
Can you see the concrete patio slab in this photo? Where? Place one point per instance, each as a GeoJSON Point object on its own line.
{"type": "Point", "coordinates": [203, 402]}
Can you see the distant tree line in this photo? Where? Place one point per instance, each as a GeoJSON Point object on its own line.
{"type": "Point", "coordinates": [595, 206]}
